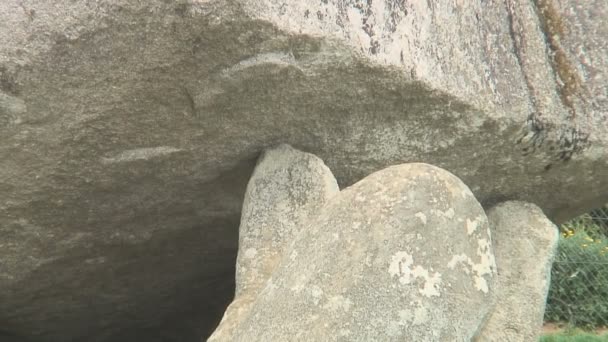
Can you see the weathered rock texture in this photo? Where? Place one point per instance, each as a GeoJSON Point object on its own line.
{"type": "Point", "coordinates": [287, 188]}
{"type": "Point", "coordinates": [128, 130]}
{"type": "Point", "coordinates": [312, 264]}
{"type": "Point", "coordinates": [524, 243]}
{"type": "Point", "coordinates": [403, 254]}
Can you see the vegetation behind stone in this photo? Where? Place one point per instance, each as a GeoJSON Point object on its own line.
{"type": "Point", "coordinates": [578, 294]}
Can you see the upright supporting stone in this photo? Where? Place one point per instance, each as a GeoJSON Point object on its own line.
{"type": "Point", "coordinates": [404, 254]}
{"type": "Point", "coordinates": [524, 244]}
{"type": "Point", "coordinates": [287, 187]}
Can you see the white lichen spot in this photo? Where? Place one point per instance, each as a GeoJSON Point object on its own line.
{"type": "Point", "coordinates": [481, 284]}
{"type": "Point", "coordinates": [421, 216]}
{"type": "Point", "coordinates": [431, 282]}
{"type": "Point", "coordinates": [471, 226]}
{"type": "Point", "coordinates": [459, 259]}
{"type": "Point", "coordinates": [250, 253]}
{"type": "Point", "coordinates": [402, 267]}
{"type": "Point", "coordinates": [360, 36]}
{"type": "Point", "coordinates": [486, 267]}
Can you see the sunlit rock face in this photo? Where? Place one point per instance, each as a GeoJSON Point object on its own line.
{"type": "Point", "coordinates": [129, 131]}
{"type": "Point", "coordinates": [405, 253]}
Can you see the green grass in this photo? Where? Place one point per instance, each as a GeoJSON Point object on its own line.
{"type": "Point", "coordinates": [576, 337]}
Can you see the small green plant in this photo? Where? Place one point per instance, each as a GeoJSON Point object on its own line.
{"type": "Point", "coordinates": [578, 294]}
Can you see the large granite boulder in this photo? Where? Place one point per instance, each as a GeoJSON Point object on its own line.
{"type": "Point", "coordinates": [404, 254]}
{"type": "Point", "coordinates": [128, 131]}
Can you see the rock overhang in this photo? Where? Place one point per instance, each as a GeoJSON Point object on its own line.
{"type": "Point", "coordinates": [132, 120]}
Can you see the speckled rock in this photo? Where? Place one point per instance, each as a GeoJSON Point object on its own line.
{"type": "Point", "coordinates": [287, 188]}
{"type": "Point", "coordinates": [129, 130]}
{"type": "Point", "coordinates": [403, 254]}
{"type": "Point", "coordinates": [524, 246]}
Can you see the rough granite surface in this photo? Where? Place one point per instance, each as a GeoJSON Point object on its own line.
{"type": "Point", "coordinates": [287, 188]}
{"type": "Point", "coordinates": [524, 271]}
{"type": "Point", "coordinates": [404, 254]}
{"type": "Point", "coordinates": [129, 130]}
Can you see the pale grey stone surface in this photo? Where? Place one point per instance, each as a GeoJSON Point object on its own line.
{"type": "Point", "coordinates": [128, 131]}
{"type": "Point", "coordinates": [404, 254]}
{"type": "Point", "coordinates": [287, 188]}
{"type": "Point", "coordinates": [524, 246]}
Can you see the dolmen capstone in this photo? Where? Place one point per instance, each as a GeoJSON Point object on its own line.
{"type": "Point", "coordinates": [129, 130]}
